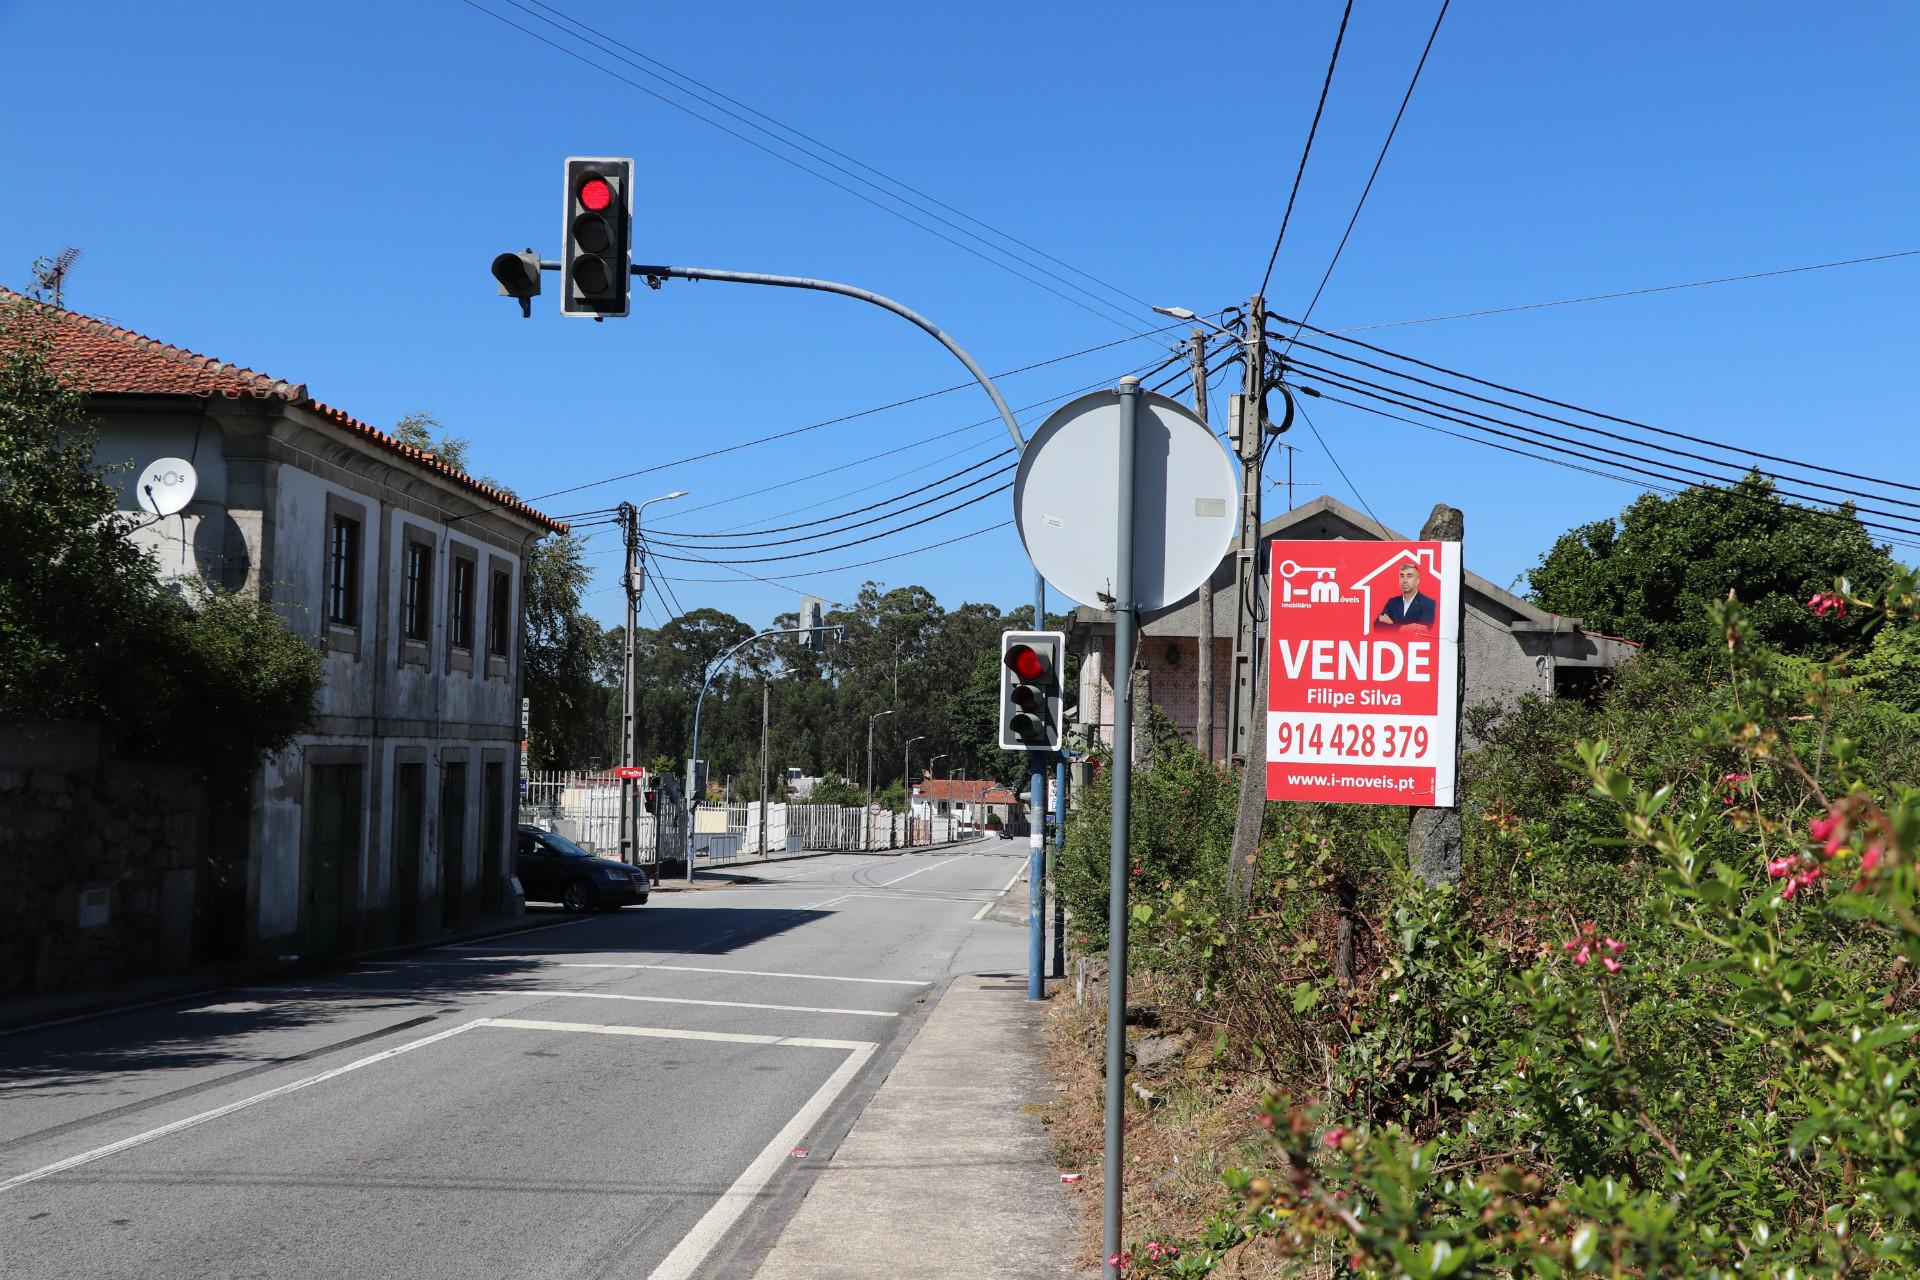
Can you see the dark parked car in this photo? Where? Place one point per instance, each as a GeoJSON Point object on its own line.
{"type": "Point", "coordinates": [554, 869]}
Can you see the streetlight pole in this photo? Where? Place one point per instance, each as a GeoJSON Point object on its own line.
{"type": "Point", "coordinates": [906, 781]}
{"type": "Point", "coordinates": [636, 585]}
{"type": "Point", "coordinates": [867, 818]}
{"type": "Point", "coordinates": [693, 760]}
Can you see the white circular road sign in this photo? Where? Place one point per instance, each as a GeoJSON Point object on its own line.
{"type": "Point", "coordinates": [1066, 500]}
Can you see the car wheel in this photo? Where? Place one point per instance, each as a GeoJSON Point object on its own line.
{"type": "Point", "coordinates": [578, 897]}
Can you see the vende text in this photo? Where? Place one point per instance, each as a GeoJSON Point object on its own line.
{"type": "Point", "coordinates": [1357, 659]}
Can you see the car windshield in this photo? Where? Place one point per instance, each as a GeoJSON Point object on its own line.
{"type": "Point", "coordinates": [563, 846]}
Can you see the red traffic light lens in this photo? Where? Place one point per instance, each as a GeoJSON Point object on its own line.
{"type": "Point", "coordinates": [596, 194]}
{"type": "Point", "coordinates": [1025, 662]}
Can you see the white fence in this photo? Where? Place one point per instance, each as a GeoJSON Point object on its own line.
{"type": "Point", "coordinates": [585, 808]}
{"type": "Point", "coordinates": [732, 832]}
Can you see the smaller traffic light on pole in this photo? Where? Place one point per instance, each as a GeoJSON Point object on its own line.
{"type": "Point", "coordinates": [598, 237]}
{"type": "Point", "coordinates": [1030, 663]}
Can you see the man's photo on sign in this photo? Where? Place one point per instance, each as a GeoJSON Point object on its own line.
{"type": "Point", "coordinates": [1409, 608]}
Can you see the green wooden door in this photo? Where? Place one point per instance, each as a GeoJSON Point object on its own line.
{"type": "Point", "coordinates": [409, 832]}
{"type": "Point", "coordinates": [333, 849]}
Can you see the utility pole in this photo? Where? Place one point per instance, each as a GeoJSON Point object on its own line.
{"type": "Point", "coordinates": [866, 819]}
{"type": "Point", "coordinates": [766, 693]}
{"type": "Point", "coordinates": [1249, 436]}
{"type": "Point", "coordinates": [629, 747]}
{"type": "Point", "coordinates": [629, 814]}
{"type": "Point", "coordinates": [1197, 348]}
{"type": "Point", "coordinates": [906, 780]}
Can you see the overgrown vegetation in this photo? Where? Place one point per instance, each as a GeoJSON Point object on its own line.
{"type": "Point", "coordinates": [191, 674]}
{"type": "Point", "coordinates": [1665, 1025]}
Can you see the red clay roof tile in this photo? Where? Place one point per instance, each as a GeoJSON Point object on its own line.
{"type": "Point", "coordinates": [110, 360]}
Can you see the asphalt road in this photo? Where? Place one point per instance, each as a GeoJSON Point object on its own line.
{"type": "Point", "coordinates": [624, 1096]}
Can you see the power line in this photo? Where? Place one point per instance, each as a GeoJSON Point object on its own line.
{"type": "Point", "coordinates": [1594, 471]}
{"type": "Point", "coordinates": [1380, 160]}
{"type": "Point", "coordinates": [1146, 369]}
{"type": "Point", "coordinates": [1338, 37]}
{"type": "Point", "coordinates": [898, 555]}
{"type": "Point", "coordinates": [1541, 439]}
{"type": "Point", "coordinates": [830, 533]}
{"type": "Point", "coordinates": [844, 418]}
{"type": "Point", "coordinates": [736, 134]}
{"type": "Point", "coordinates": [1632, 293]}
{"type": "Point", "coordinates": [1605, 417]}
{"type": "Point", "coordinates": [1354, 488]}
{"type": "Point", "coordinates": [1581, 427]}
{"type": "Point", "coordinates": [872, 537]}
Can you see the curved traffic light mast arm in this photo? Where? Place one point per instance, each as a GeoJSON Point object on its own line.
{"type": "Point", "coordinates": [700, 704]}
{"type": "Point", "coordinates": [655, 274]}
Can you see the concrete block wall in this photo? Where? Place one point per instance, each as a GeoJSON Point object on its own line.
{"type": "Point", "coordinates": [98, 860]}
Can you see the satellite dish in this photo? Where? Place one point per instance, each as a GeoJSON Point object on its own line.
{"type": "Point", "coordinates": [167, 486]}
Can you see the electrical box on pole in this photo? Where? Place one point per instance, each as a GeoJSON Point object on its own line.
{"type": "Point", "coordinates": [1030, 670]}
{"type": "Point", "coordinates": [598, 236]}
{"type": "Point", "coordinates": [696, 782]}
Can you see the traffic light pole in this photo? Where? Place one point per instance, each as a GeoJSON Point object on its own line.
{"type": "Point", "coordinates": [1037, 833]}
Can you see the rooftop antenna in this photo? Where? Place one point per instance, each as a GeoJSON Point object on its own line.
{"type": "Point", "coordinates": [57, 273]}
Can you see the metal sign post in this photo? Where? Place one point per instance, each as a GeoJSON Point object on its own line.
{"type": "Point", "coordinates": [1126, 614]}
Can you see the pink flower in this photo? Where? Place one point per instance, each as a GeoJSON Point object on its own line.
{"type": "Point", "coordinates": [1826, 602]}
{"type": "Point", "coordinates": [1614, 945]}
{"type": "Point", "coordinates": [1730, 779]}
{"type": "Point", "coordinates": [1613, 966]}
{"type": "Point", "coordinates": [1807, 877]}
{"type": "Point", "coordinates": [1584, 954]}
{"type": "Point", "coordinates": [1870, 860]}
{"type": "Point", "coordinates": [1333, 1137]}
{"type": "Point", "coordinates": [1570, 944]}
{"type": "Point", "coordinates": [1822, 828]}
{"type": "Point", "coordinates": [1780, 868]}
{"type": "Point", "coordinates": [1789, 889]}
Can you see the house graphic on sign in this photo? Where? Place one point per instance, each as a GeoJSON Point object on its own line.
{"type": "Point", "coordinates": [1424, 557]}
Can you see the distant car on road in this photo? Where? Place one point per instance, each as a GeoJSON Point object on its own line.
{"type": "Point", "coordinates": [554, 869]}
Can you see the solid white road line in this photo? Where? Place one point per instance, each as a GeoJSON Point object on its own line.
{"type": "Point", "coordinates": [749, 973]}
{"type": "Point", "coordinates": [981, 914]}
{"type": "Point", "coordinates": [718, 1004]}
{"type": "Point", "coordinates": [692, 1251]}
{"type": "Point", "coordinates": [675, 1033]}
{"type": "Point", "coordinates": [140, 1139]}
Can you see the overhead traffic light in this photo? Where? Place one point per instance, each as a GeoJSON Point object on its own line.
{"type": "Point", "coordinates": [1030, 665]}
{"type": "Point", "coordinates": [599, 237]}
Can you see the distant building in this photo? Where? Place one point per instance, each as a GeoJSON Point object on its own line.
{"type": "Point", "coordinates": [968, 800]}
{"type": "Point", "coordinates": [390, 819]}
{"type": "Point", "coordinates": [1512, 647]}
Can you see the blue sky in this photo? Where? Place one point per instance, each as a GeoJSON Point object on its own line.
{"type": "Point", "coordinates": [316, 191]}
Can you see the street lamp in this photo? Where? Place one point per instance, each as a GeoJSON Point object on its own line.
{"type": "Point", "coordinates": [635, 584]}
{"type": "Point", "coordinates": [906, 781]}
{"type": "Point", "coordinates": [868, 827]}
{"type": "Point", "coordinates": [930, 777]}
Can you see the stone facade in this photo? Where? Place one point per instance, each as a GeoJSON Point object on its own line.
{"type": "Point", "coordinates": [98, 881]}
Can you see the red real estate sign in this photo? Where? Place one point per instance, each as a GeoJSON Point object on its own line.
{"type": "Point", "coordinates": [1363, 682]}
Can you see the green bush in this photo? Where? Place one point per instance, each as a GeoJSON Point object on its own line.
{"type": "Point", "coordinates": [1664, 1025]}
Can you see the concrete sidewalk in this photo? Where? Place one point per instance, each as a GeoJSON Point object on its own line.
{"type": "Point", "coordinates": [946, 1173]}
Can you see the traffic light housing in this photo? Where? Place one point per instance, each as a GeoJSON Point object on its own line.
{"type": "Point", "coordinates": [598, 236]}
{"type": "Point", "coordinates": [651, 797]}
{"type": "Point", "coordinates": [1030, 691]}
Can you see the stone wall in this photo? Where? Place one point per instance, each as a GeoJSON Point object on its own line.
{"type": "Point", "coordinates": [97, 860]}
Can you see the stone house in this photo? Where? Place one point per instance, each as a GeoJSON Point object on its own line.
{"type": "Point", "coordinates": [1511, 647]}
{"type": "Point", "coordinates": [390, 818]}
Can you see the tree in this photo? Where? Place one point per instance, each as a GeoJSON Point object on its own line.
{"type": "Point", "coordinates": [416, 430]}
{"type": "Point", "coordinates": [564, 656]}
{"type": "Point", "coordinates": [86, 630]}
{"type": "Point", "coordinates": [1650, 574]}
